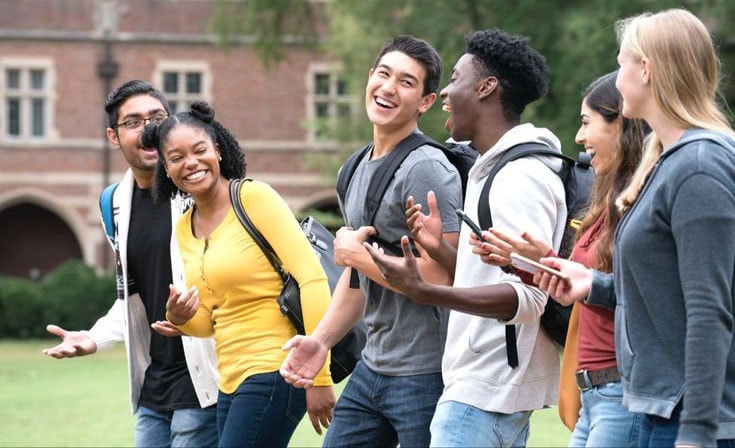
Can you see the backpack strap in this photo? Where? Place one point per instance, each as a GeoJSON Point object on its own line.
{"type": "Point", "coordinates": [382, 178]}
{"type": "Point", "coordinates": [344, 177]}
{"type": "Point", "coordinates": [242, 216]}
{"type": "Point", "coordinates": [485, 218]}
{"type": "Point", "coordinates": [380, 181]}
{"type": "Point", "coordinates": [107, 211]}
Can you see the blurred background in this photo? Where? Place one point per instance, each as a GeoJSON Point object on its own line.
{"type": "Point", "coordinates": [286, 76]}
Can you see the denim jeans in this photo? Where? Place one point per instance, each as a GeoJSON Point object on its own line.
{"type": "Point", "coordinates": [263, 411]}
{"type": "Point", "coordinates": [659, 432]}
{"type": "Point", "coordinates": [377, 410]}
{"type": "Point", "coordinates": [461, 425]}
{"type": "Point", "coordinates": [178, 428]}
{"type": "Point", "coordinates": [604, 420]}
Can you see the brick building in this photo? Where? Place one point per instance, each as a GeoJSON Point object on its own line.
{"type": "Point", "coordinates": [58, 61]}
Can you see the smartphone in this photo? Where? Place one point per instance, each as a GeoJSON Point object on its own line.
{"type": "Point", "coordinates": [528, 265]}
{"type": "Point", "coordinates": [475, 228]}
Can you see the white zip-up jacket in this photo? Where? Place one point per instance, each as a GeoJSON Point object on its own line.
{"type": "Point", "coordinates": [127, 320]}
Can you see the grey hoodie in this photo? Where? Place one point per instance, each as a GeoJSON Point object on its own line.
{"type": "Point", "coordinates": [674, 274]}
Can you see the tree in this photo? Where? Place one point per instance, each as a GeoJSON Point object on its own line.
{"type": "Point", "coordinates": [577, 37]}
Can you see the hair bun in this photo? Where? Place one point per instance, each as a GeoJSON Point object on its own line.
{"type": "Point", "coordinates": [202, 111]}
{"type": "Point", "coordinates": [150, 137]}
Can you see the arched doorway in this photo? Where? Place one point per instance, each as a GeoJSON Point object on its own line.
{"type": "Point", "coordinates": [34, 241]}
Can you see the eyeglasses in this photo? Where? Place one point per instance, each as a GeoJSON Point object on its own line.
{"type": "Point", "coordinates": [136, 123]}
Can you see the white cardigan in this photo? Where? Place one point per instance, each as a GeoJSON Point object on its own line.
{"type": "Point", "coordinates": [127, 321]}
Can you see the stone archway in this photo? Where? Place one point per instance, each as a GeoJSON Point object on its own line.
{"type": "Point", "coordinates": [34, 241]}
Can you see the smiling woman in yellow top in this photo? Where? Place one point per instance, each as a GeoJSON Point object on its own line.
{"type": "Point", "coordinates": [233, 287]}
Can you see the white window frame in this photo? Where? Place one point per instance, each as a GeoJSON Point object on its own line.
{"type": "Point", "coordinates": [26, 94]}
{"type": "Point", "coordinates": [333, 98]}
{"type": "Point", "coordinates": [182, 67]}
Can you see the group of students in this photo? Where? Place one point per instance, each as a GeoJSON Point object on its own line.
{"type": "Point", "coordinates": [648, 358]}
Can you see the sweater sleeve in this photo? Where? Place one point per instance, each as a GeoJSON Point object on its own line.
{"type": "Point", "coordinates": [109, 328]}
{"type": "Point", "coordinates": [602, 292]}
{"type": "Point", "coordinates": [273, 218]}
{"type": "Point", "coordinates": [527, 196]}
{"type": "Point", "coordinates": [201, 325]}
{"type": "Point", "coordinates": [701, 229]}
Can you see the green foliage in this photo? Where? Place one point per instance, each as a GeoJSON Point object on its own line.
{"type": "Point", "coordinates": [274, 22]}
{"type": "Point", "coordinates": [21, 307]}
{"type": "Point", "coordinates": [71, 296]}
{"type": "Point", "coordinates": [577, 37]}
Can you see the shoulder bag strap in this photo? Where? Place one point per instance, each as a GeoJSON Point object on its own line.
{"type": "Point", "coordinates": [242, 216]}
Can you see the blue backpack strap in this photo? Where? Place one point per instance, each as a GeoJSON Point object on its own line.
{"type": "Point", "coordinates": [106, 210]}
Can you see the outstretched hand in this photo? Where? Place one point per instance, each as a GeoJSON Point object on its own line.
{"type": "Point", "coordinates": [499, 245]}
{"type": "Point", "coordinates": [565, 292]}
{"type": "Point", "coordinates": [426, 230]}
{"type": "Point", "coordinates": [73, 343]}
{"type": "Point", "coordinates": [400, 272]}
{"type": "Point", "coordinates": [306, 357]}
{"type": "Point", "coordinates": [166, 328]}
{"type": "Point", "coordinates": [182, 306]}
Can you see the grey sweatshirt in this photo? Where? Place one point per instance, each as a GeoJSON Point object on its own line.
{"type": "Point", "coordinates": [674, 274]}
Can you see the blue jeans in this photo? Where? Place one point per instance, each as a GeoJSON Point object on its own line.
{"type": "Point", "coordinates": [604, 420]}
{"type": "Point", "coordinates": [461, 425]}
{"type": "Point", "coordinates": [377, 410]}
{"type": "Point", "coordinates": [659, 432]}
{"type": "Point", "coordinates": [180, 428]}
{"type": "Point", "coordinates": [263, 411]}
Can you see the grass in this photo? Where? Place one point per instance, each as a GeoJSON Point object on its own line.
{"type": "Point", "coordinates": [84, 402]}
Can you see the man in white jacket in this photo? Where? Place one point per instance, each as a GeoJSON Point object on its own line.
{"type": "Point", "coordinates": [173, 378]}
{"type": "Point", "coordinates": [487, 398]}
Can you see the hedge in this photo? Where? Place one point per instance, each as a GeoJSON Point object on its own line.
{"type": "Point", "coordinates": [71, 296]}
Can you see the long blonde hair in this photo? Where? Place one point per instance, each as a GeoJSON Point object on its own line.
{"type": "Point", "coordinates": [684, 78]}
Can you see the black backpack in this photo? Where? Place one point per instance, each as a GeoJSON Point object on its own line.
{"type": "Point", "coordinates": [577, 178]}
{"type": "Point", "coordinates": [461, 156]}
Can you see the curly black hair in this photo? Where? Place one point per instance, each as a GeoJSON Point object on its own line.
{"type": "Point", "coordinates": [199, 116]}
{"type": "Point", "coordinates": [521, 71]}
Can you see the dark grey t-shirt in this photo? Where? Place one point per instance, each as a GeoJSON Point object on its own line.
{"type": "Point", "coordinates": [404, 338]}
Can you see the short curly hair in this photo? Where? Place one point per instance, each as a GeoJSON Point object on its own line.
{"type": "Point", "coordinates": [199, 116]}
{"type": "Point", "coordinates": [521, 70]}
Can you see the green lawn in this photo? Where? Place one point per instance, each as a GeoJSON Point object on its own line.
{"type": "Point", "coordinates": [84, 402]}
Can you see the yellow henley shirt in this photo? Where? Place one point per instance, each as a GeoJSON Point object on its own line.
{"type": "Point", "coordinates": [238, 287]}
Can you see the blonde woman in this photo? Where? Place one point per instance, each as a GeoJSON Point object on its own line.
{"type": "Point", "coordinates": [674, 266]}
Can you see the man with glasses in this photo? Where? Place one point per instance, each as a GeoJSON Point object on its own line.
{"type": "Point", "coordinates": [173, 378]}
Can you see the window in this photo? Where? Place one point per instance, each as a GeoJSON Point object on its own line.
{"type": "Point", "coordinates": [330, 101]}
{"type": "Point", "coordinates": [26, 95]}
{"type": "Point", "coordinates": [183, 83]}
